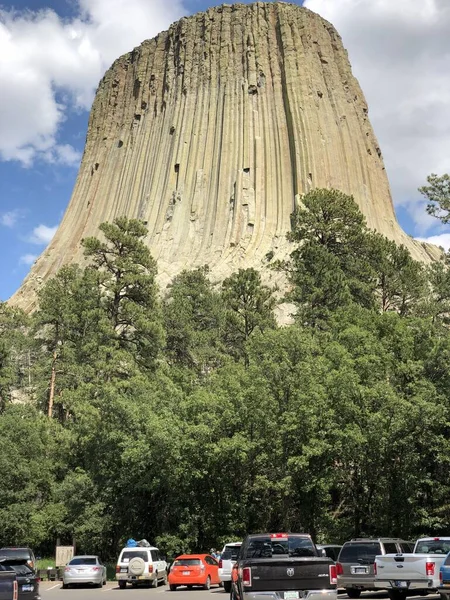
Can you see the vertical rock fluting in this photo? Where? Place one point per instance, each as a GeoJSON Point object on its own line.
{"type": "Point", "coordinates": [211, 132]}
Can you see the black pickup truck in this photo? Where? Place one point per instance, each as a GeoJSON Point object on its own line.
{"type": "Point", "coordinates": [8, 585]}
{"type": "Point", "coordinates": [282, 566]}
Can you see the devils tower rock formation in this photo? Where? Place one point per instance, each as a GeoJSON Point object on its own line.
{"type": "Point", "coordinates": [213, 130]}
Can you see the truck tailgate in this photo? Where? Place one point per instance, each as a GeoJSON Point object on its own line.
{"type": "Point", "coordinates": [407, 566]}
{"type": "Point", "coordinates": [310, 573]}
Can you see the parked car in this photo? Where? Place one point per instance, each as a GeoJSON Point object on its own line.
{"type": "Point", "coordinates": [444, 579]}
{"type": "Point", "coordinates": [331, 550]}
{"type": "Point", "coordinates": [194, 569]}
{"type": "Point", "coordinates": [418, 571]}
{"type": "Point", "coordinates": [227, 559]}
{"type": "Point", "coordinates": [8, 585]}
{"type": "Point", "coordinates": [84, 569]}
{"type": "Point", "coordinates": [23, 553]}
{"type": "Point", "coordinates": [355, 564]}
{"type": "Point", "coordinates": [282, 565]}
{"type": "Point", "coordinates": [141, 565]}
{"type": "Point", "coordinates": [27, 578]}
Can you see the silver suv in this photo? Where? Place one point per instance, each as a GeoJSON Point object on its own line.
{"type": "Point", "coordinates": [356, 559]}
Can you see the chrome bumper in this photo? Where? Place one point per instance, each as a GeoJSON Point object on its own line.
{"type": "Point", "coordinates": [303, 595]}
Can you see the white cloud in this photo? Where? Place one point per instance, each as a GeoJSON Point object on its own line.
{"type": "Point", "coordinates": [440, 240]}
{"type": "Point", "coordinates": [9, 219]}
{"type": "Point", "coordinates": [400, 51]}
{"type": "Point", "coordinates": [28, 259]}
{"type": "Point", "coordinates": [42, 234]}
{"type": "Point", "coordinates": [44, 58]}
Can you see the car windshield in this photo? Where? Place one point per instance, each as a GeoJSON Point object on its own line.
{"type": "Point", "coordinates": [20, 567]}
{"type": "Point", "coordinates": [187, 562]}
{"type": "Point", "coordinates": [267, 547]}
{"type": "Point", "coordinates": [433, 547]}
{"type": "Point", "coordinates": [363, 553]}
{"type": "Point", "coordinates": [83, 561]}
{"type": "Point", "coordinates": [127, 556]}
{"type": "Point", "coordinates": [230, 553]}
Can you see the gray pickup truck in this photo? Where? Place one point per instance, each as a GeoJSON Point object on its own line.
{"type": "Point", "coordinates": [419, 571]}
{"type": "Point", "coordinates": [282, 566]}
{"type": "Point", "coordinates": [8, 585]}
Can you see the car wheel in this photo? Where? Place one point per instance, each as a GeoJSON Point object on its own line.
{"type": "Point", "coordinates": [165, 578]}
{"type": "Point", "coordinates": [208, 583]}
{"type": "Point", "coordinates": [155, 581]}
{"type": "Point", "coordinates": [397, 594]}
{"type": "Point", "coordinates": [227, 586]}
{"type": "Point", "coordinates": [189, 587]}
{"type": "Point", "coordinates": [352, 593]}
{"type": "Point", "coordinates": [99, 585]}
{"type": "Point", "coordinates": [65, 586]}
{"type": "Point", "coordinates": [104, 582]}
{"type": "Point", "coordinates": [173, 587]}
{"type": "Point", "coordinates": [122, 585]}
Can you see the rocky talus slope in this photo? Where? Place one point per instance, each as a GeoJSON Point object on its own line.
{"type": "Point", "coordinates": [212, 131]}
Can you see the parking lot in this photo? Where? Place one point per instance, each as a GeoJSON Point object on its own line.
{"type": "Point", "coordinates": [51, 590]}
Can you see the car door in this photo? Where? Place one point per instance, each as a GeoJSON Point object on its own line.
{"type": "Point", "coordinates": [213, 569]}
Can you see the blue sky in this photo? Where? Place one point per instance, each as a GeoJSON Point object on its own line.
{"type": "Point", "coordinates": [53, 52]}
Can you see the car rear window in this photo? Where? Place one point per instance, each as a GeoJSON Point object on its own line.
{"type": "Point", "coordinates": [20, 568]}
{"type": "Point", "coordinates": [433, 547]}
{"type": "Point", "coordinates": [83, 561]}
{"type": "Point", "coordinates": [267, 547]}
{"type": "Point", "coordinates": [407, 546]}
{"type": "Point", "coordinates": [230, 553]}
{"type": "Point", "coordinates": [363, 553]}
{"type": "Point", "coordinates": [16, 553]}
{"type": "Point", "coordinates": [127, 555]}
{"type": "Point", "coordinates": [187, 562]}
{"type": "Point", "coordinates": [447, 561]}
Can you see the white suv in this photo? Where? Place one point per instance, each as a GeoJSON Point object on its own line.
{"type": "Point", "coordinates": [141, 565]}
{"type": "Point", "coordinates": [227, 559]}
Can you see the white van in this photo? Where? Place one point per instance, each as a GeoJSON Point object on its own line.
{"type": "Point", "coordinates": [141, 566]}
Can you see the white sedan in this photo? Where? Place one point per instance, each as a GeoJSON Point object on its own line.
{"type": "Point", "coordinates": [84, 569]}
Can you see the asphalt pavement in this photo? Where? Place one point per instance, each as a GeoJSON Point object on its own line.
{"type": "Point", "coordinates": [51, 590]}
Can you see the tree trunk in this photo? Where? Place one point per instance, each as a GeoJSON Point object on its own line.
{"type": "Point", "coordinates": [52, 387]}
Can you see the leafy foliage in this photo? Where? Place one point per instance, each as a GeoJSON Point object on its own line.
{"type": "Point", "coordinates": [194, 422]}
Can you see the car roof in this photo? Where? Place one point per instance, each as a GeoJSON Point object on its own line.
{"type": "Point", "coordinates": [378, 539]}
{"type": "Point", "coordinates": [84, 556]}
{"type": "Point", "coordinates": [233, 544]}
{"type": "Point", "coordinates": [16, 548]}
{"type": "Point", "coordinates": [192, 556]}
{"type": "Point", "coordinates": [135, 548]}
{"type": "Point", "coordinates": [329, 545]}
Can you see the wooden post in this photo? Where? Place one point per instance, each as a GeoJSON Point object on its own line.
{"type": "Point", "coordinates": [52, 387]}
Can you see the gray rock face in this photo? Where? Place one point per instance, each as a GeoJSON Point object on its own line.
{"type": "Point", "coordinates": [212, 131]}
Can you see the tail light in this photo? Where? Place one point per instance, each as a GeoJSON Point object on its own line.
{"type": "Point", "coordinates": [67, 569]}
{"type": "Point", "coordinates": [374, 568]}
{"type": "Point", "coordinates": [440, 577]}
{"type": "Point", "coordinates": [150, 568]}
{"type": "Point", "coordinates": [333, 575]}
{"type": "Point", "coordinates": [117, 569]}
{"type": "Point", "coordinates": [15, 591]}
{"type": "Point", "coordinates": [96, 568]}
{"type": "Point", "coordinates": [247, 576]}
{"type": "Point", "coordinates": [339, 569]}
{"type": "Point", "coordinates": [202, 568]}
{"type": "Point", "coordinates": [429, 567]}
{"type": "Point", "coordinates": [220, 564]}
{"type": "Point", "coordinates": [30, 563]}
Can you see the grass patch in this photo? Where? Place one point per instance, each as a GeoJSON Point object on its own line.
{"type": "Point", "coordinates": [44, 563]}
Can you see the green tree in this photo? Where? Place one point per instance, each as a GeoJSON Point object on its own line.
{"type": "Point", "coordinates": [129, 291]}
{"type": "Point", "coordinates": [249, 306]}
{"type": "Point", "coordinates": [14, 348]}
{"type": "Point", "coordinates": [438, 195]}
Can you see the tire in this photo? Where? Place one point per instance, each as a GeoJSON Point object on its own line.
{"type": "Point", "coordinates": [164, 582]}
{"type": "Point", "coordinates": [189, 587]}
{"type": "Point", "coordinates": [352, 593]}
{"type": "Point", "coordinates": [99, 585]}
{"type": "Point", "coordinates": [173, 587]}
{"type": "Point", "coordinates": [207, 585]}
{"type": "Point", "coordinates": [136, 566]}
{"type": "Point", "coordinates": [227, 586]}
{"type": "Point", "coordinates": [155, 581]}
{"type": "Point", "coordinates": [397, 594]}
{"type": "Point", "coordinates": [65, 586]}
{"type": "Point", "coordinates": [122, 585]}
{"type": "Point", "coordinates": [104, 582]}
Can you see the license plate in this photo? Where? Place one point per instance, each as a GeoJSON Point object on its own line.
{"type": "Point", "coordinates": [186, 573]}
{"type": "Point", "coordinates": [290, 595]}
{"type": "Point", "coordinates": [123, 570]}
{"type": "Point", "coordinates": [358, 570]}
{"type": "Point", "coordinates": [27, 588]}
{"type": "Point", "coordinates": [401, 584]}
